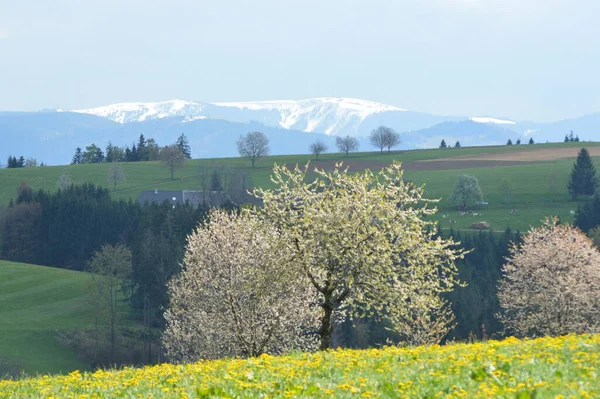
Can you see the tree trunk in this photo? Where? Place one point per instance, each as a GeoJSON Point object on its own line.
{"type": "Point", "coordinates": [326, 330]}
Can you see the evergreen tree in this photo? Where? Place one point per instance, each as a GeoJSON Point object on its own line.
{"type": "Point", "coordinates": [215, 182]}
{"type": "Point", "coordinates": [78, 157]}
{"type": "Point", "coordinates": [457, 145]}
{"type": "Point", "coordinates": [509, 142]}
{"type": "Point", "coordinates": [184, 146]}
{"type": "Point", "coordinates": [571, 137]}
{"type": "Point", "coordinates": [128, 156]}
{"type": "Point", "coordinates": [577, 139]}
{"type": "Point", "coordinates": [443, 144]}
{"type": "Point", "coordinates": [583, 176]}
{"type": "Point", "coordinates": [566, 138]}
{"type": "Point", "coordinates": [142, 149]}
{"type": "Point", "coordinates": [21, 162]}
{"type": "Point", "coordinates": [134, 153]}
{"type": "Point", "coordinates": [109, 152]}
{"type": "Point", "coordinates": [518, 142]}
{"type": "Point", "coordinates": [531, 140]}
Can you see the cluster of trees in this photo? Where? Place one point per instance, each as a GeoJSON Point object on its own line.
{"type": "Point", "coordinates": [343, 247]}
{"type": "Point", "coordinates": [444, 145]}
{"type": "Point", "coordinates": [571, 138]}
{"type": "Point", "coordinates": [518, 142]}
{"type": "Point", "coordinates": [65, 229]}
{"type": "Point", "coordinates": [144, 150]}
{"type": "Point", "coordinates": [384, 138]}
{"type": "Point", "coordinates": [21, 162]}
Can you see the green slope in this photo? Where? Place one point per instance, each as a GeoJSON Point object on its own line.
{"type": "Point", "coordinates": [35, 302]}
{"type": "Point", "coordinates": [532, 194]}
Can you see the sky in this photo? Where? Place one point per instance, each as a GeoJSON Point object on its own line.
{"type": "Point", "coordinates": [520, 59]}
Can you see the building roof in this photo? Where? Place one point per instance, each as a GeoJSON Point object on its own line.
{"type": "Point", "coordinates": [160, 196]}
{"type": "Point", "coordinates": [210, 198]}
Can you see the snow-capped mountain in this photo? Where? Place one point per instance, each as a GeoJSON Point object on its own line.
{"type": "Point", "coordinates": [291, 126]}
{"type": "Point", "coordinates": [329, 115]}
{"type": "Point", "coordinates": [486, 119]}
{"type": "Point", "coordinates": [140, 112]}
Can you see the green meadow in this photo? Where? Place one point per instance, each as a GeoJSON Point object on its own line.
{"type": "Point", "coordinates": [538, 188]}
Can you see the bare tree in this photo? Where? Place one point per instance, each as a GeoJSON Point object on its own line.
{"type": "Point", "coordinates": [346, 144]}
{"type": "Point", "coordinates": [64, 180]}
{"type": "Point", "coordinates": [253, 146]}
{"type": "Point", "coordinates": [317, 148]}
{"type": "Point", "coordinates": [384, 137]}
{"type": "Point", "coordinates": [238, 294]}
{"type": "Point", "coordinates": [392, 139]}
{"type": "Point", "coordinates": [551, 283]}
{"type": "Point", "coordinates": [115, 175]}
{"type": "Point", "coordinates": [110, 269]}
{"type": "Point", "coordinates": [172, 158]}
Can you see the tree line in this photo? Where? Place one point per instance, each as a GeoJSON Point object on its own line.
{"type": "Point", "coordinates": [144, 150]}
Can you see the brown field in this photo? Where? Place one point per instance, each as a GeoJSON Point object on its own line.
{"type": "Point", "coordinates": [533, 155]}
{"type": "Point", "coordinates": [437, 164]}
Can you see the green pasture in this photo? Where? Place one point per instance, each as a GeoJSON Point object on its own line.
{"type": "Point", "coordinates": [35, 303]}
{"type": "Point", "coordinates": [538, 188]}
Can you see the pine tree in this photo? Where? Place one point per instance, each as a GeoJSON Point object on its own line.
{"type": "Point", "coordinates": [443, 144]}
{"type": "Point", "coordinates": [78, 157]}
{"type": "Point", "coordinates": [109, 153]}
{"type": "Point", "coordinates": [577, 139]}
{"type": "Point", "coordinates": [215, 182]}
{"type": "Point", "coordinates": [583, 176]}
{"type": "Point", "coordinates": [531, 140]}
{"type": "Point", "coordinates": [571, 137]}
{"type": "Point", "coordinates": [518, 142]}
{"type": "Point", "coordinates": [457, 145]}
{"type": "Point", "coordinates": [509, 142]}
{"type": "Point", "coordinates": [184, 146]}
{"type": "Point", "coordinates": [566, 138]}
{"type": "Point", "coordinates": [142, 149]}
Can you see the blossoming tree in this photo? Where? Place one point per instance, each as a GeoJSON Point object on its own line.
{"type": "Point", "coordinates": [364, 245]}
{"type": "Point", "coordinates": [551, 283]}
{"type": "Point", "coordinates": [237, 294]}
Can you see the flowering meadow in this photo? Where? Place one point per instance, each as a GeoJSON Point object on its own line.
{"type": "Point", "coordinates": [563, 367]}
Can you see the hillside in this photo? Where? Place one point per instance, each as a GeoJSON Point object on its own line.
{"type": "Point", "coordinates": [537, 175]}
{"type": "Point", "coordinates": [540, 368]}
{"type": "Point", "coordinates": [35, 302]}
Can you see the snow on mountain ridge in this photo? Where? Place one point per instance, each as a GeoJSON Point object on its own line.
{"type": "Point", "coordinates": [485, 119]}
{"type": "Point", "coordinates": [138, 112]}
{"type": "Point", "coordinates": [327, 114]}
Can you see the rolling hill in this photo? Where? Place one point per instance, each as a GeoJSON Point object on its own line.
{"type": "Point", "coordinates": [537, 176]}
{"type": "Point", "coordinates": [35, 303]}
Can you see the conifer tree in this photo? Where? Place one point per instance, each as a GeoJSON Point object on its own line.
{"type": "Point", "coordinates": [509, 142]}
{"type": "Point", "coordinates": [583, 176]}
{"type": "Point", "coordinates": [531, 140]}
{"type": "Point", "coordinates": [457, 145]}
{"type": "Point", "coordinates": [443, 144]}
{"type": "Point", "coordinates": [184, 146]}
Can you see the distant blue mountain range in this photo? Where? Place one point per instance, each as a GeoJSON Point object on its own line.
{"type": "Point", "coordinates": [291, 126]}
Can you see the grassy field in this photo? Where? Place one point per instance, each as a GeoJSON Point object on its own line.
{"type": "Point", "coordinates": [538, 185]}
{"type": "Point", "coordinates": [35, 302]}
{"type": "Point", "coordinates": [564, 367]}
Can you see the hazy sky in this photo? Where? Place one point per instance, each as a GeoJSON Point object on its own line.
{"type": "Point", "coordinates": [521, 59]}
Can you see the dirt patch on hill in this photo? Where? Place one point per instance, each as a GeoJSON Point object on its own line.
{"type": "Point", "coordinates": [533, 155]}
{"type": "Point", "coordinates": [444, 164]}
